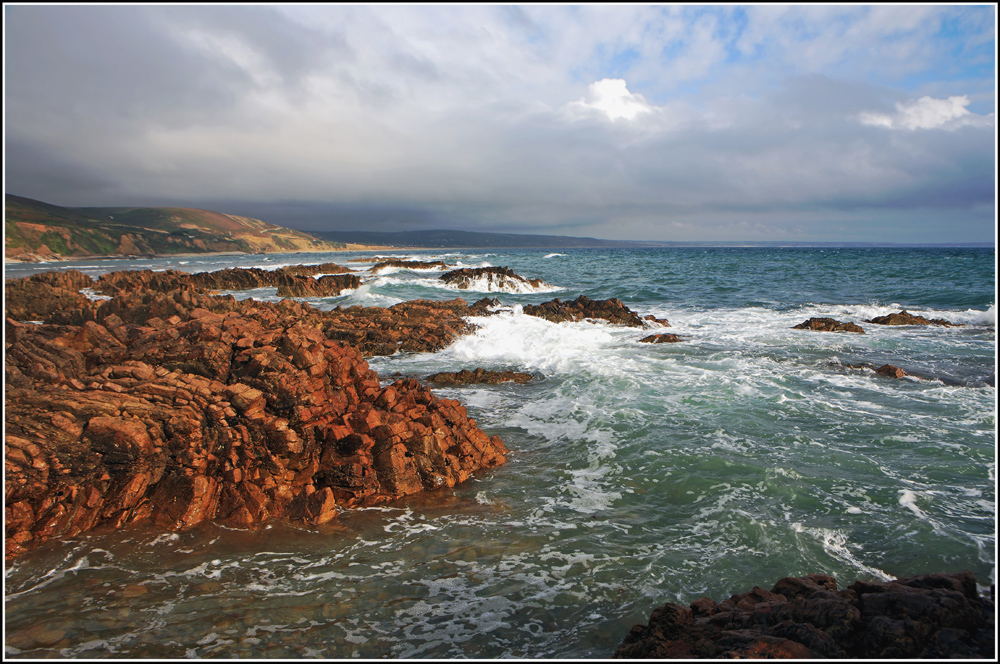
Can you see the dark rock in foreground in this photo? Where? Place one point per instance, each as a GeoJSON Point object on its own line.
{"type": "Point", "coordinates": [930, 617]}
{"type": "Point", "coordinates": [479, 376]}
{"type": "Point", "coordinates": [906, 318]}
{"type": "Point", "coordinates": [829, 325]}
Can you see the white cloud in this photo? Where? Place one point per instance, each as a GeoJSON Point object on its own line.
{"type": "Point", "coordinates": [928, 113]}
{"type": "Point", "coordinates": [611, 97]}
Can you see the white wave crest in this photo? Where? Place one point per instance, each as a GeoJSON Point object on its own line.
{"type": "Point", "coordinates": [552, 255]}
{"type": "Point", "coordinates": [490, 284]}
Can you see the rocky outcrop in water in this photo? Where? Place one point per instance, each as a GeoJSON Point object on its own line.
{"type": "Point", "coordinates": [661, 339]}
{"type": "Point", "coordinates": [829, 325]}
{"type": "Point", "coordinates": [478, 376]}
{"type": "Point", "coordinates": [410, 265]}
{"type": "Point", "coordinates": [329, 285]}
{"type": "Point", "coordinates": [929, 617]}
{"type": "Point", "coordinates": [583, 308]}
{"type": "Point", "coordinates": [495, 279]}
{"type": "Point", "coordinates": [237, 417]}
{"type": "Point", "coordinates": [906, 318]}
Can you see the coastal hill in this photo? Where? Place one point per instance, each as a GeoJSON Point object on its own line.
{"type": "Point", "coordinates": [453, 239]}
{"type": "Point", "coordinates": [40, 231]}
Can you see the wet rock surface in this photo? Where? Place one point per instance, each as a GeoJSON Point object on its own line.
{"type": "Point", "coordinates": [410, 265]}
{"type": "Point", "coordinates": [479, 376]}
{"type": "Point", "coordinates": [661, 339]}
{"type": "Point", "coordinates": [238, 416]}
{"type": "Point", "coordinates": [583, 308]}
{"type": "Point", "coordinates": [829, 325]}
{"type": "Point", "coordinates": [497, 278]}
{"type": "Point", "coordinates": [906, 318]}
{"type": "Point", "coordinates": [929, 617]}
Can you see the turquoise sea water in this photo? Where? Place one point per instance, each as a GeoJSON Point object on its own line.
{"type": "Point", "coordinates": [638, 473]}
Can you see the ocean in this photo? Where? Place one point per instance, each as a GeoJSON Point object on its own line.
{"type": "Point", "coordinates": [638, 474]}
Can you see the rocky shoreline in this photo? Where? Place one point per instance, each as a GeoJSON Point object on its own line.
{"type": "Point", "coordinates": [933, 616]}
{"type": "Point", "coordinates": [141, 396]}
{"type": "Point", "coordinates": [148, 397]}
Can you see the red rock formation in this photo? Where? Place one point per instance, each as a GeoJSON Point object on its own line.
{"type": "Point", "coordinates": [906, 318]}
{"type": "Point", "coordinates": [891, 371]}
{"type": "Point", "coordinates": [931, 616]}
{"type": "Point", "coordinates": [829, 325]}
{"type": "Point", "coordinates": [478, 376]}
{"type": "Point", "coordinates": [326, 286]}
{"type": "Point", "coordinates": [38, 296]}
{"type": "Point", "coordinates": [236, 417]}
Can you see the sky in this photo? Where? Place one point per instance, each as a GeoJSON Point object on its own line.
{"type": "Point", "coordinates": [799, 123]}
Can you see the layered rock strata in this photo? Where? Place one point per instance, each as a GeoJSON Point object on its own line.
{"type": "Point", "coordinates": [233, 417]}
{"type": "Point", "coordinates": [929, 617]}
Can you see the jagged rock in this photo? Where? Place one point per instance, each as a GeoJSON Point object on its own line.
{"type": "Point", "coordinates": [413, 265]}
{"type": "Point", "coordinates": [661, 339]}
{"type": "Point", "coordinates": [582, 308]}
{"type": "Point", "coordinates": [496, 278]}
{"type": "Point", "coordinates": [115, 283]}
{"type": "Point", "coordinates": [906, 318]}
{"type": "Point", "coordinates": [929, 616]}
{"type": "Point", "coordinates": [828, 325]}
{"type": "Point", "coordinates": [326, 286]}
{"type": "Point", "coordinates": [235, 416]}
{"type": "Point", "coordinates": [479, 375]}
{"type": "Point", "coordinates": [38, 296]}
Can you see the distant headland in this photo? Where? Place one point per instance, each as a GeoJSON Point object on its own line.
{"type": "Point", "coordinates": [37, 231]}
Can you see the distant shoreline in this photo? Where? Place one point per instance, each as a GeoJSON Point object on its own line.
{"type": "Point", "coordinates": [350, 247]}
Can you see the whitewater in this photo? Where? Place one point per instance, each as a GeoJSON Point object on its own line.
{"type": "Point", "coordinates": [638, 474]}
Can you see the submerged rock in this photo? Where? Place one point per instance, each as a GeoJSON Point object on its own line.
{"type": "Point", "coordinates": [829, 325]}
{"type": "Point", "coordinates": [930, 616]}
{"type": "Point", "coordinates": [906, 318]}
{"type": "Point", "coordinates": [479, 375]}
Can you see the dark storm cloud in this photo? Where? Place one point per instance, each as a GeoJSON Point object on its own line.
{"type": "Point", "coordinates": [766, 123]}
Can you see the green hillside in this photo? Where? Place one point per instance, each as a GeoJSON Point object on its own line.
{"type": "Point", "coordinates": [35, 231]}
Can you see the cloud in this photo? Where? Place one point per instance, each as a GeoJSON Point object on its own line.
{"type": "Point", "coordinates": [611, 97]}
{"type": "Point", "coordinates": [674, 122]}
{"type": "Point", "coordinates": [928, 113]}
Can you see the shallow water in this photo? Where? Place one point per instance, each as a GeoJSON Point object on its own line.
{"type": "Point", "coordinates": [638, 473]}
